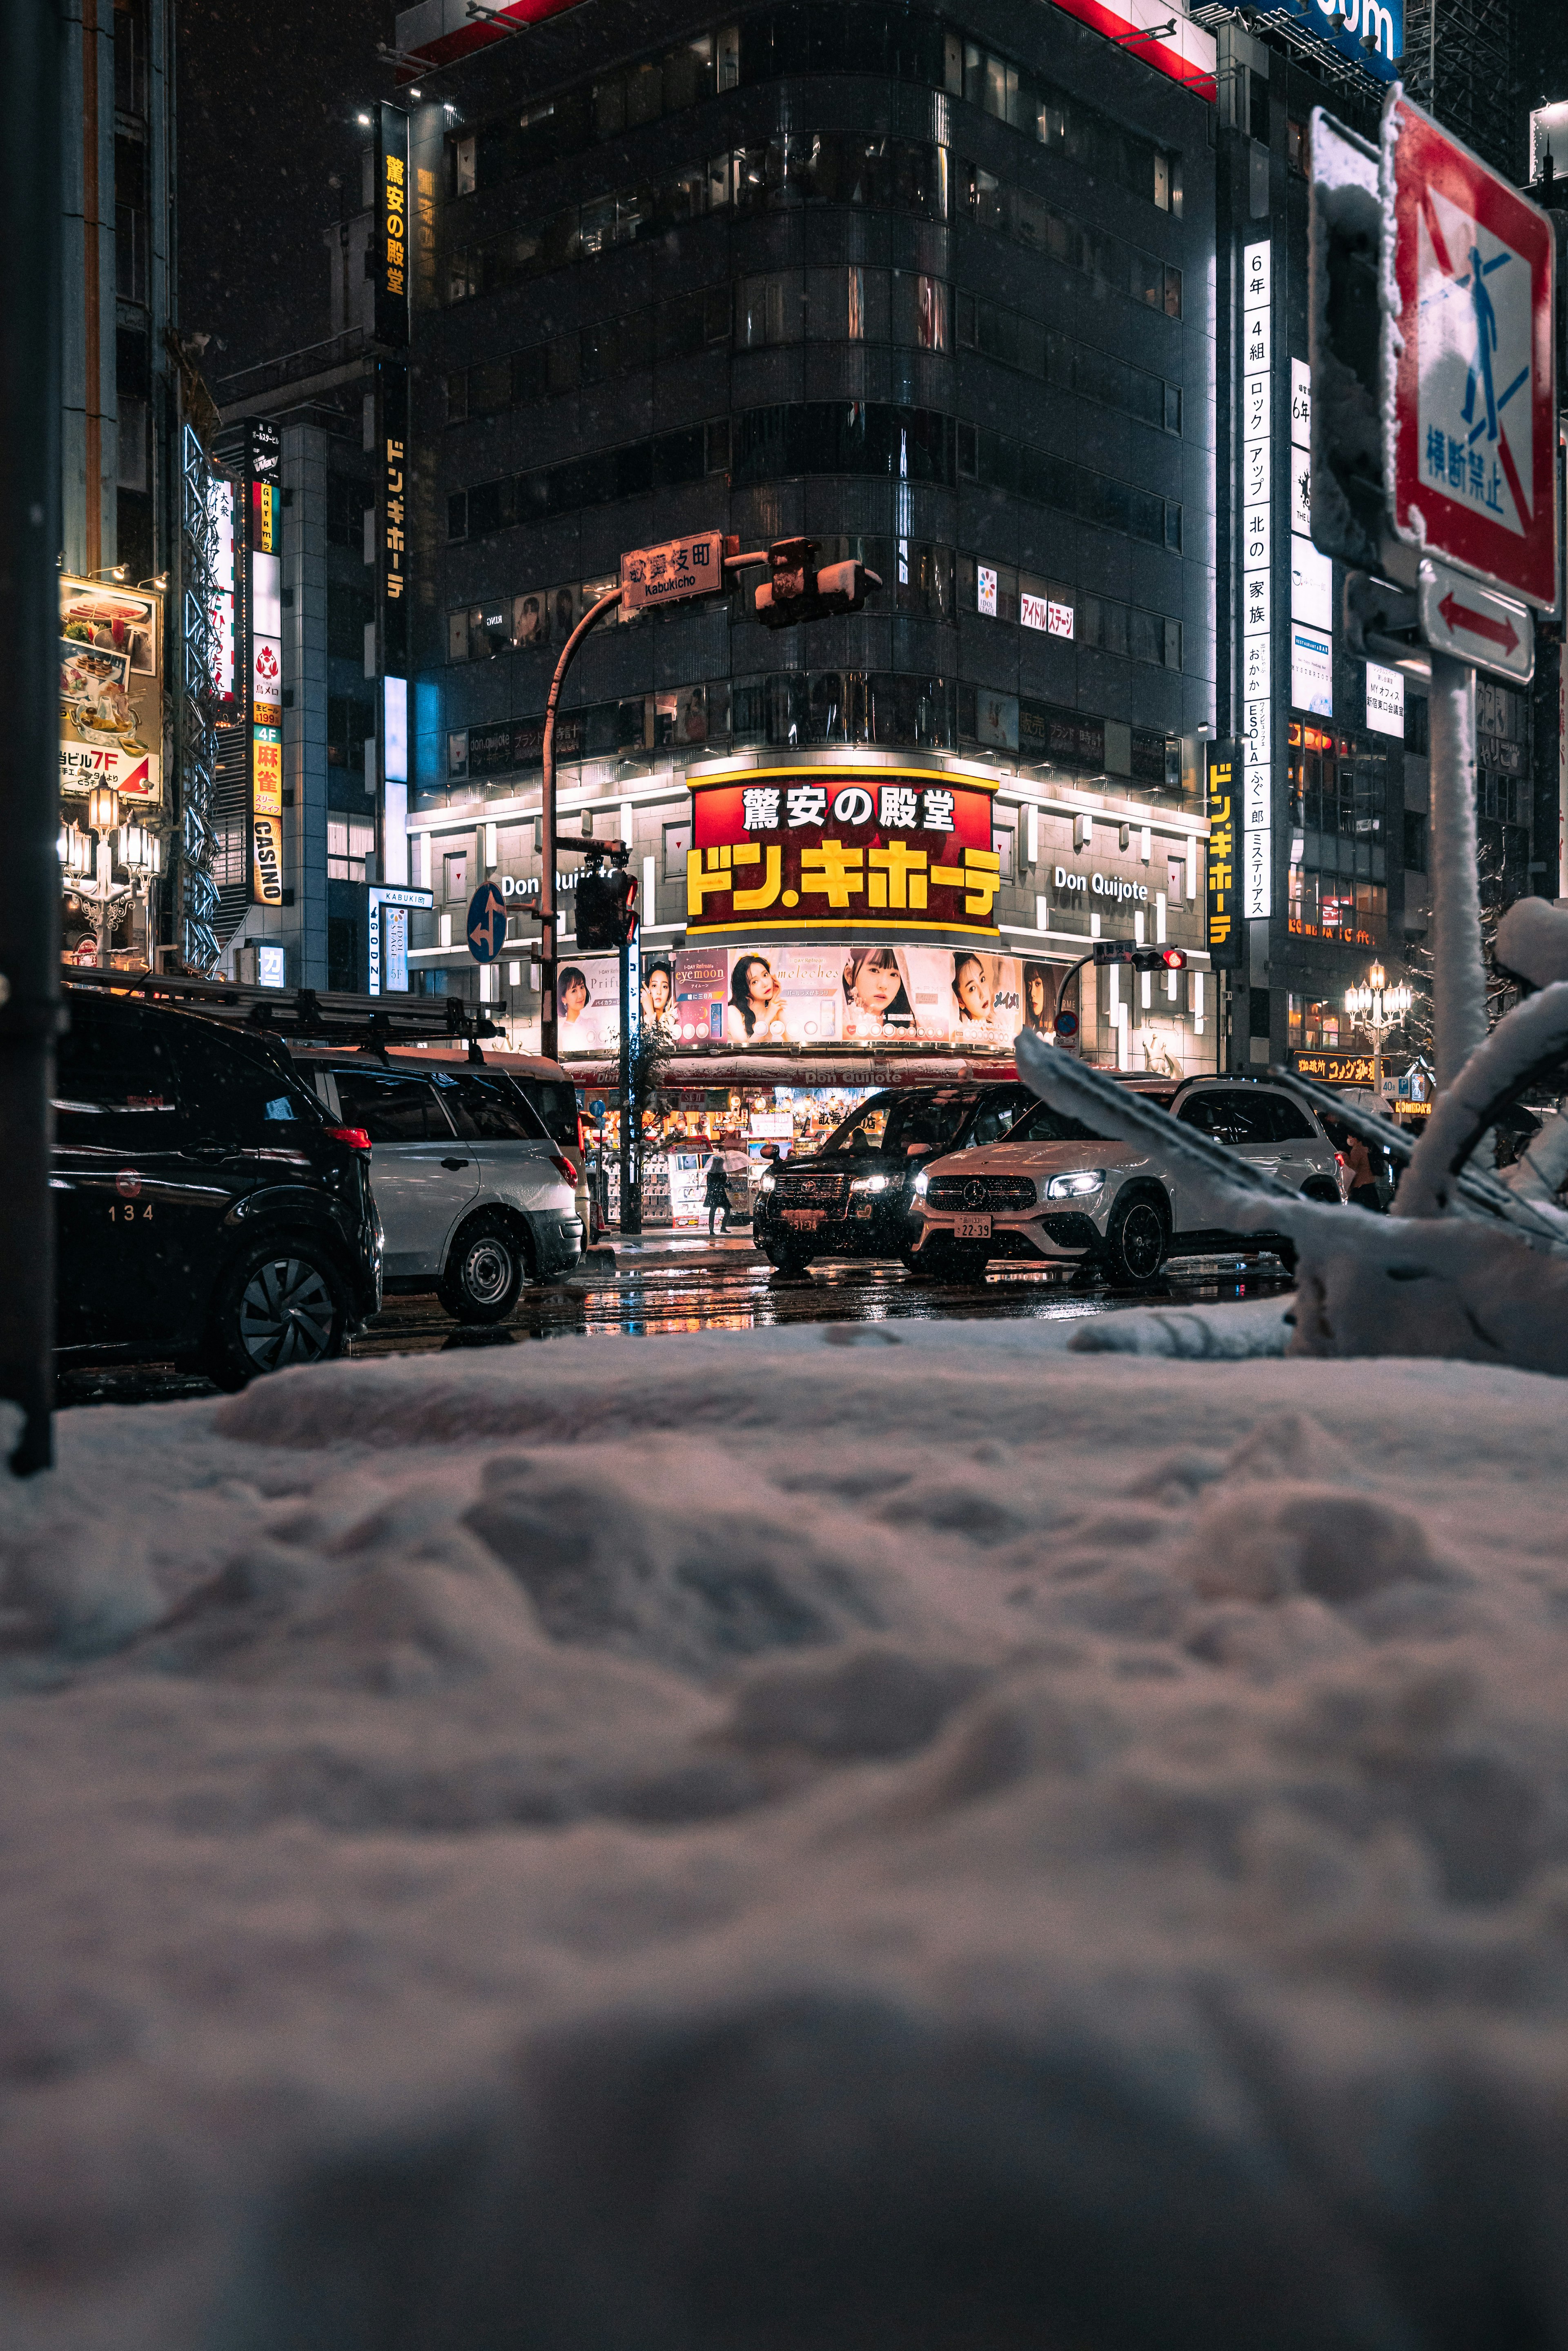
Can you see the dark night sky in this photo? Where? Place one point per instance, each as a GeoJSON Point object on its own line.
{"type": "Point", "coordinates": [267, 99]}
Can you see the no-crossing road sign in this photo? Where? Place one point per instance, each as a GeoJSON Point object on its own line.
{"type": "Point", "coordinates": [1469, 386]}
{"type": "Point", "coordinates": [486, 923]}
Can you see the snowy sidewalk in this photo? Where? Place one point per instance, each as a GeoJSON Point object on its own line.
{"type": "Point", "coordinates": [861, 1834]}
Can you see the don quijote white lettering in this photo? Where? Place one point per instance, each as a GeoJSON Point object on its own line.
{"type": "Point", "coordinates": [1102, 885]}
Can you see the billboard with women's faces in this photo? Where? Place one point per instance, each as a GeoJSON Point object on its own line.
{"type": "Point", "coordinates": [873, 995]}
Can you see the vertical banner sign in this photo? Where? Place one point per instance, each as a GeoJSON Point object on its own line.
{"type": "Point", "coordinates": [1257, 557]}
{"type": "Point", "coordinates": [395, 518]}
{"type": "Point", "coordinates": [392, 234]}
{"type": "Point", "coordinates": [263, 502]}
{"type": "Point", "coordinates": [1221, 779]}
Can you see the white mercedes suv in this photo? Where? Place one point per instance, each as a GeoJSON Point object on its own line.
{"type": "Point", "coordinates": [1050, 1190]}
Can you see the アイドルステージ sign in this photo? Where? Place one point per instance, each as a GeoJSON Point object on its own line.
{"type": "Point", "coordinates": [1470, 398]}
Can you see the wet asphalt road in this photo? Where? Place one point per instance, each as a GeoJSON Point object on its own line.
{"type": "Point", "coordinates": [736, 1291]}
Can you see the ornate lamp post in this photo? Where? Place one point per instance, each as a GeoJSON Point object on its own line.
{"type": "Point", "coordinates": [1376, 1006]}
{"type": "Point", "coordinates": [89, 874]}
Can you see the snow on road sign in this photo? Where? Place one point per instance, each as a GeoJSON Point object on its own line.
{"type": "Point", "coordinates": [1473, 397]}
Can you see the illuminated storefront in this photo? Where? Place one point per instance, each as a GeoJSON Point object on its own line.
{"type": "Point", "coordinates": [828, 922]}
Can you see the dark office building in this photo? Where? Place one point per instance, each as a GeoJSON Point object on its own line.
{"type": "Point", "coordinates": [938, 292]}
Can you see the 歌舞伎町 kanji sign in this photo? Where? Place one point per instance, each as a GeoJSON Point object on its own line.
{"type": "Point", "coordinates": [1471, 412]}
{"type": "Point", "coordinates": [813, 848]}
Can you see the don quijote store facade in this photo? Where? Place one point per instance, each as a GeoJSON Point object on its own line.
{"type": "Point", "coordinates": [827, 922]}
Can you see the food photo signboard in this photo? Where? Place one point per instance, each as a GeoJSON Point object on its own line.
{"type": "Point", "coordinates": [112, 690]}
{"type": "Point", "coordinates": [903, 851]}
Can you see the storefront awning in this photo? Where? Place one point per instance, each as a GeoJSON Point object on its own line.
{"type": "Point", "coordinates": [698, 1072]}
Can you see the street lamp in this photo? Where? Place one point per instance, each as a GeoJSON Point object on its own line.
{"type": "Point", "coordinates": [1376, 1006]}
{"type": "Point", "coordinates": [89, 871]}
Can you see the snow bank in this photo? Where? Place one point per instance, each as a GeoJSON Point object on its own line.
{"type": "Point", "coordinates": [842, 1836]}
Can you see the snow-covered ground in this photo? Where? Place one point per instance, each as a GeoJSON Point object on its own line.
{"type": "Point", "coordinates": [845, 1839]}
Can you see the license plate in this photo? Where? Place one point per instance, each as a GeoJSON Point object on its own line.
{"type": "Point", "coordinates": [810, 1219]}
{"type": "Point", "coordinates": [972, 1229]}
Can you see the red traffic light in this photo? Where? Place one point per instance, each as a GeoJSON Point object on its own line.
{"type": "Point", "coordinates": [1173, 958]}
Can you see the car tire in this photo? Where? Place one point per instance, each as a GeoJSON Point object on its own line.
{"type": "Point", "coordinates": [281, 1303]}
{"type": "Point", "coordinates": [955, 1263]}
{"type": "Point", "coordinates": [484, 1272]}
{"type": "Point", "coordinates": [786, 1260]}
{"type": "Point", "coordinates": [1319, 1188]}
{"type": "Point", "coordinates": [1136, 1241]}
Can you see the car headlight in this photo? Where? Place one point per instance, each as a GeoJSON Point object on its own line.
{"type": "Point", "coordinates": [1079, 1186]}
{"type": "Point", "coordinates": [768, 1183]}
{"type": "Point", "coordinates": [923, 1183]}
{"type": "Point", "coordinates": [869, 1183]}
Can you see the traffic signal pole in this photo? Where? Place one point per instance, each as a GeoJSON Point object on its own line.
{"type": "Point", "coordinates": [794, 584]}
{"type": "Point", "coordinates": [549, 1015]}
{"type": "Point", "coordinates": [31, 32]}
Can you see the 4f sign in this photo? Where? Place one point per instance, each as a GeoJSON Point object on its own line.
{"type": "Point", "coordinates": [1473, 409]}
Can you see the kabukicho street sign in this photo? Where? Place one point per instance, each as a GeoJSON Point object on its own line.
{"type": "Point", "coordinates": [672, 573]}
{"type": "Point", "coordinates": [1469, 396]}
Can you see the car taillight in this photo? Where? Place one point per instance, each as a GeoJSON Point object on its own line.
{"type": "Point", "coordinates": [354, 1137]}
{"type": "Point", "coordinates": [1339, 1159]}
{"type": "Point", "coordinates": [565, 1168]}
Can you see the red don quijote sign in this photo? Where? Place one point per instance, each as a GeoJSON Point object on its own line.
{"type": "Point", "coordinates": [908, 850]}
{"type": "Point", "coordinates": [1473, 422]}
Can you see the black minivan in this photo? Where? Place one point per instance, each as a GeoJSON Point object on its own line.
{"type": "Point", "coordinates": [207, 1210]}
{"type": "Point", "coordinates": [853, 1196]}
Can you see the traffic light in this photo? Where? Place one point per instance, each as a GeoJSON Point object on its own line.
{"type": "Point", "coordinates": [796, 591]}
{"type": "Point", "coordinates": [606, 902]}
{"type": "Point", "coordinates": [1141, 958]}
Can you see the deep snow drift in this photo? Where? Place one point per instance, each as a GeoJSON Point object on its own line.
{"type": "Point", "coordinates": [848, 1837]}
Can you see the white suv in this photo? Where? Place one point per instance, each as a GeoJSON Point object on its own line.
{"type": "Point", "coordinates": [1052, 1189]}
{"type": "Point", "coordinates": [473, 1192]}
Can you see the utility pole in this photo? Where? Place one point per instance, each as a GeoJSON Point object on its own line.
{"type": "Point", "coordinates": [31, 32]}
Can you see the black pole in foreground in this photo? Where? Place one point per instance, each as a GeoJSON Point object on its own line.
{"type": "Point", "coordinates": [30, 37]}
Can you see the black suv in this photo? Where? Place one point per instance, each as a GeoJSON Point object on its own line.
{"type": "Point", "coordinates": [207, 1209]}
{"type": "Point", "coordinates": [854, 1197]}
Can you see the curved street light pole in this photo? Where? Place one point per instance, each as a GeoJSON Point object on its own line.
{"type": "Point", "coordinates": [549, 1015]}
{"type": "Point", "coordinates": [550, 1031]}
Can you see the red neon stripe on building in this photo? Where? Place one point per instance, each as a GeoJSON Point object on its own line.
{"type": "Point", "coordinates": [1093, 13]}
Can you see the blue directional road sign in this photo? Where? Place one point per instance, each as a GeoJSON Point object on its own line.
{"type": "Point", "coordinates": [486, 923]}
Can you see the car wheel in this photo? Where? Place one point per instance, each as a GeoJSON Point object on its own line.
{"type": "Point", "coordinates": [953, 1263]}
{"type": "Point", "coordinates": [1318, 1187]}
{"type": "Point", "coordinates": [1135, 1243]}
{"type": "Point", "coordinates": [484, 1272]}
{"type": "Point", "coordinates": [786, 1260]}
{"type": "Point", "coordinates": [275, 1307]}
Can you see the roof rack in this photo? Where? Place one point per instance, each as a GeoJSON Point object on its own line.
{"type": "Point", "coordinates": [302, 1015]}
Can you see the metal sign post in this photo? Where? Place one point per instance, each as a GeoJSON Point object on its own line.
{"type": "Point", "coordinates": [631, 1113]}
{"type": "Point", "coordinates": [29, 758]}
{"type": "Point", "coordinates": [1434, 460]}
